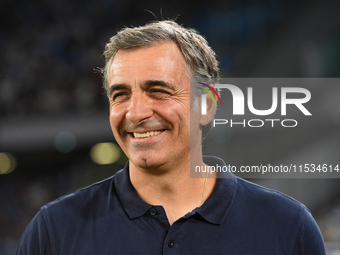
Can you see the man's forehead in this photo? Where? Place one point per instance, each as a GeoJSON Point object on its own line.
{"type": "Point", "coordinates": [157, 62]}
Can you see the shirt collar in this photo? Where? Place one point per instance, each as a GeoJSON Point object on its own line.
{"type": "Point", "coordinates": [214, 209]}
{"type": "Point", "coordinates": [133, 205]}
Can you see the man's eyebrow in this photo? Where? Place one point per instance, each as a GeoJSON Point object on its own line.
{"type": "Point", "coordinates": [151, 83]}
{"type": "Point", "coordinates": [115, 87]}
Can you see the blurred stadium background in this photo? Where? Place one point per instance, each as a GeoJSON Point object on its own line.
{"type": "Point", "coordinates": [54, 131]}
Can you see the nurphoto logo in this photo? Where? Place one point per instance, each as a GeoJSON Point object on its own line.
{"type": "Point", "coordinates": [295, 96]}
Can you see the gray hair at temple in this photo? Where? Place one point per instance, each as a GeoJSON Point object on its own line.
{"type": "Point", "coordinates": [199, 57]}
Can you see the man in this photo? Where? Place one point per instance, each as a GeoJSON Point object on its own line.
{"type": "Point", "coordinates": [153, 206]}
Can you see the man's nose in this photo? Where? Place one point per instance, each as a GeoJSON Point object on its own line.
{"type": "Point", "coordinates": [139, 108]}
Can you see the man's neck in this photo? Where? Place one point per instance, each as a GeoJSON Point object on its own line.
{"type": "Point", "coordinates": [173, 189]}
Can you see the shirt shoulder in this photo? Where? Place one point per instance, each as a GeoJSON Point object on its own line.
{"type": "Point", "coordinates": [81, 200]}
{"type": "Point", "coordinates": [308, 238]}
{"type": "Point", "coordinates": [269, 200]}
{"type": "Point", "coordinates": [63, 225]}
{"type": "Point", "coordinates": [285, 218]}
{"type": "Point", "coordinates": [78, 196]}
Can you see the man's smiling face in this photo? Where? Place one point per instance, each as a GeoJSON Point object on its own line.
{"type": "Point", "coordinates": [150, 105]}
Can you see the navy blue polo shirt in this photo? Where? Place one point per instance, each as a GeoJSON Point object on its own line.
{"type": "Point", "coordinates": [110, 218]}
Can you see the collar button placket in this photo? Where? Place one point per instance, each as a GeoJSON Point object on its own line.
{"type": "Point", "coordinates": [153, 211]}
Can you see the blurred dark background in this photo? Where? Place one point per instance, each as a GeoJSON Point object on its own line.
{"type": "Point", "coordinates": [54, 131]}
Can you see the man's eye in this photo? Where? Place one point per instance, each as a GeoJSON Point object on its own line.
{"type": "Point", "coordinates": [159, 91]}
{"type": "Point", "coordinates": [119, 96]}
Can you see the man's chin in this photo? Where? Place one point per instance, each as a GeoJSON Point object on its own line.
{"type": "Point", "coordinates": [148, 163]}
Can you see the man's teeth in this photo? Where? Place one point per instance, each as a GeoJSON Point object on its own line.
{"type": "Point", "coordinates": [147, 134]}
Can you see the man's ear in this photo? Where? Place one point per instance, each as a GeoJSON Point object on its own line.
{"type": "Point", "coordinates": [211, 109]}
